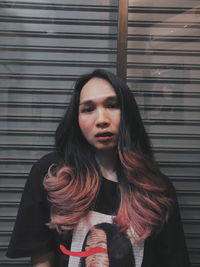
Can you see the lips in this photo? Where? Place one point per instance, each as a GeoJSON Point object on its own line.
{"type": "Point", "coordinates": [104, 134]}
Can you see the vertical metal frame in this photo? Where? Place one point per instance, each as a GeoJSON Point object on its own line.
{"type": "Point", "coordinates": [122, 39]}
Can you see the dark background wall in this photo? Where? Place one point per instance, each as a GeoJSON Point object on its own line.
{"type": "Point", "coordinates": [45, 45]}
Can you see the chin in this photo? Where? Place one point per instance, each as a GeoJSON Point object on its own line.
{"type": "Point", "coordinates": [106, 147]}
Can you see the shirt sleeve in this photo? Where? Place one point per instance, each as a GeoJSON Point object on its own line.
{"type": "Point", "coordinates": [168, 248]}
{"type": "Point", "coordinates": [31, 236]}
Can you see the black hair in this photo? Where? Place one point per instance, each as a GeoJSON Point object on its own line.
{"type": "Point", "coordinates": [144, 205]}
{"type": "Point", "coordinates": [69, 139]}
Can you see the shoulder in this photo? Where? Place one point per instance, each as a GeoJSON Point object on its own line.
{"type": "Point", "coordinates": [170, 189]}
{"type": "Point", "coordinates": [169, 244]}
{"type": "Point", "coordinates": [170, 192]}
{"type": "Point", "coordinates": [47, 160]}
{"type": "Point", "coordinates": [40, 169]}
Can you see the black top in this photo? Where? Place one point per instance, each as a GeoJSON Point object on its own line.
{"type": "Point", "coordinates": [32, 237]}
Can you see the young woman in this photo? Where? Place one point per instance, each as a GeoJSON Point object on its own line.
{"type": "Point", "coordinates": [99, 199]}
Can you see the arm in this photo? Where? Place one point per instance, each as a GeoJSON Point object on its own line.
{"type": "Point", "coordinates": [46, 260]}
{"type": "Point", "coordinates": [31, 236]}
{"type": "Point", "coordinates": [168, 248]}
{"type": "Point", "coordinates": [170, 244]}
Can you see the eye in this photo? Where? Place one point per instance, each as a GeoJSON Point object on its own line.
{"type": "Point", "coordinates": [87, 110]}
{"type": "Point", "coordinates": [113, 105]}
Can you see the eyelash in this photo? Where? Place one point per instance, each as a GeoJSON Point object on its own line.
{"type": "Point", "coordinates": [115, 105]}
{"type": "Point", "coordinates": [90, 109]}
{"type": "Point", "coordinates": [87, 110]}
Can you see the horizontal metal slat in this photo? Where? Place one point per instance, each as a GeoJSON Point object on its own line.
{"type": "Point", "coordinates": [163, 38]}
{"type": "Point", "coordinates": [59, 6]}
{"type": "Point", "coordinates": [160, 10]}
{"type": "Point", "coordinates": [167, 92]}
{"type": "Point", "coordinates": [38, 76]}
{"type": "Point", "coordinates": [40, 34]}
{"type": "Point", "coordinates": [162, 80]}
{"type": "Point", "coordinates": [162, 66]}
{"type": "Point", "coordinates": [37, 91]}
{"type": "Point", "coordinates": [166, 52]}
{"type": "Point", "coordinates": [59, 21]}
{"type": "Point", "coordinates": [29, 132]}
{"type": "Point", "coordinates": [163, 24]}
{"type": "Point", "coordinates": [58, 49]}
{"type": "Point", "coordinates": [54, 63]}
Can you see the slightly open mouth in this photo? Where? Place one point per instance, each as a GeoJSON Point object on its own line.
{"type": "Point", "coordinates": [107, 134]}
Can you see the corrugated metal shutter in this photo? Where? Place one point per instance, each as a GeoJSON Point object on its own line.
{"type": "Point", "coordinates": [44, 46]}
{"type": "Point", "coordinates": [163, 70]}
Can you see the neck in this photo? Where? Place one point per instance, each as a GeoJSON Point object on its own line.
{"type": "Point", "coordinates": [107, 163]}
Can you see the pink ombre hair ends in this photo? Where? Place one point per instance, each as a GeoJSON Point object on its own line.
{"type": "Point", "coordinates": [144, 207]}
{"type": "Point", "coordinates": [71, 197]}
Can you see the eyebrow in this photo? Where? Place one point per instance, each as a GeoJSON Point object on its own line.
{"type": "Point", "coordinates": [88, 102]}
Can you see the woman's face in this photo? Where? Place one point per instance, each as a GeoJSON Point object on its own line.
{"type": "Point", "coordinates": [99, 114]}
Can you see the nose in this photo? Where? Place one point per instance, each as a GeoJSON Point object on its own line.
{"type": "Point", "coordinates": [102, 118]}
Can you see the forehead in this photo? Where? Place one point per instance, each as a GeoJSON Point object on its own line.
{"type": "Point", "coordinates": [95, 89]}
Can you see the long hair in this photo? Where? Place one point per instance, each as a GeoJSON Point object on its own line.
{"type": "Point", "coordinates": [73, 187]}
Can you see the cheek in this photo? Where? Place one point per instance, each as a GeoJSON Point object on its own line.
{"type": "Point", "coordinates": [84, 124]}
{"type": "Point", "coordinates": [117, 119]}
